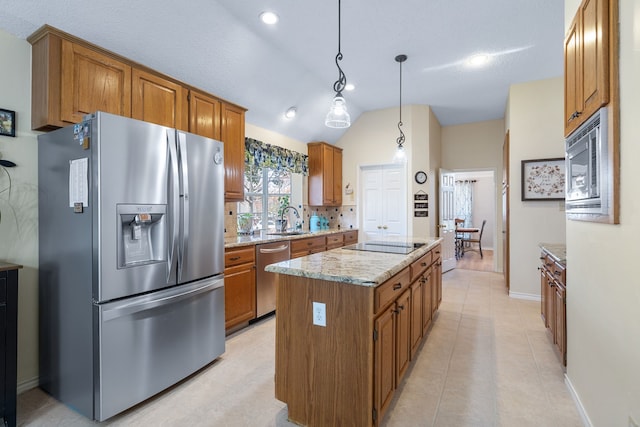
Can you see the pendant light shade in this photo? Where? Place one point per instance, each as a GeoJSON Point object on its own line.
{"type": "Point", "coordinates": [338, 117]}
{"type": "Point", "coordinates": [400, 155]}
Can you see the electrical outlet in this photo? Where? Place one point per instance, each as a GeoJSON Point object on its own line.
{"type": "Point", "coordinates": [320, 314]}
{"type": "Point", "coordinates": [632, 422]}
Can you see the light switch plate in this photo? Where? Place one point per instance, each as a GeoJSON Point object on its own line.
{"type": "Point", "coordinates": [320, 314]}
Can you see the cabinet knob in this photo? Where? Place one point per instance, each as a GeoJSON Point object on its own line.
{"type": "Point", "coordinates": [234, 258]}
{"type": "Point", "coordinates": [401, 307]}
{"type": "Point", "coordinates": [397, 286]}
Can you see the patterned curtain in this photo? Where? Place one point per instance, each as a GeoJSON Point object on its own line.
{"type": "Point", "coordinates": [258, 154]}
{"type": "Point", "coordinates": [463, 193]}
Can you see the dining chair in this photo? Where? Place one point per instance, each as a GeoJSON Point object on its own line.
{"type": "Point", "coordinates": [477, 240]}
{"type": "Point", "coordinates": [458, 236]}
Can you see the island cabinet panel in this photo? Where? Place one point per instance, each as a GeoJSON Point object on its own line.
{"type": "Point", "coordinates": [417, 312]}
{"type": "Point", "coordinates": [427, 314]}
{"type": "Point", "coordinates": [385, 359]}
{"type": "Point", "coordinates": [391, 289]}
{"type": "Point", "coordinates": [403, 345]}
{"type": "Point", "coordinates": [324, 373]}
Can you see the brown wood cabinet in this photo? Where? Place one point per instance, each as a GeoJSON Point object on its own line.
{"type": "Point", "coordinates": [155, 99]}
{"type": "Point", "coordinates": [371, 335]}
{"type": "Point", "coordinates": [71, 78]}
{"type": "Point", "coordinates": [233, 137]}
{"type": "Point", "coordinates": [308, 246]}
{"type": "Point", "coordinates": [205, 115]}
{"type": "Point", "coordinates": [239, 286]}
{"type": "Point", "coordinates": [553, 302]}
{"type": "Point", "coordinates": [325, 174]}
{"type": "Point", "coordinates": [586, 56]}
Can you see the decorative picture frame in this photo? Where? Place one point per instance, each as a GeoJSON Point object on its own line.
{"type": "Point", "coordinates": [543, 179]}
{"type": "Point", "coordinates": [7, 122]}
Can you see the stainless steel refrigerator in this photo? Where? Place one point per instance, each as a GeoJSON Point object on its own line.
{"type": "Point", "coordinates": [131, 285]}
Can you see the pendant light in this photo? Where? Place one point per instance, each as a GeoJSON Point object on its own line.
{"type": "Point", "coordinates": [338, 117]}
{"type": "Point", "coordinates": [400, 156]}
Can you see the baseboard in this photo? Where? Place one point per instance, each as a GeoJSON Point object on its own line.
{"type": "Point", "coordinates": [28, 385]}
{"type": "Point", "coordinates": [520, 295]}
{"type": "Point", "coordinates": [583, 413]}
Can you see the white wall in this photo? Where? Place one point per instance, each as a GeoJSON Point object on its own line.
{"type": "Point", "coordinates": [603, 293]}
{"type": "Point", "coordinates": [478, 146]}
{"type": "Point", "coordinates": [19, 224]}
{"type": "Point", "coordinates": [371, 140]}
{"type": "Point", "coordinates": [536, 132]}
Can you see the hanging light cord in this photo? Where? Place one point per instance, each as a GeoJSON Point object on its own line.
{"type": "Point", "coordinates": [339, 85]}
{"type": "Point", "coordinates": [400, 139]}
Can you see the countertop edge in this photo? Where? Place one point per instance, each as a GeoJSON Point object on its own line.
{"type": "Point", "coordinates": [376, 279]}
{"type": "Point", "coordinates": [557, 251]}
{"type": "Point", "coordinates": [241, 241]}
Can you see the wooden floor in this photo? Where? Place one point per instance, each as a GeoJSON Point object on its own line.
{"type": "Point", "coordinates": [472, 261]}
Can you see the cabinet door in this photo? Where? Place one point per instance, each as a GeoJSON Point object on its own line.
{"type": "Point", "coordinates": [327, 175]}
{"type": "Point", "coordinates": [384, 361]}
{"type": "Point", "coordinates": [426, 301]}
{"type": "Point", "coordinates": [92, 82]}
{"type": "Point", "coordinates": [403, 324]}
{"type": "Point", "coordinates": [594, 47]}
{"type": "Point", "coordinates": [204, 115]}
{"type": "Point", "coordinates": [572, 78]}
{"type": "Point", "coordinates": [550, 300]}
{"type": "Point", "coordinates": [157, 100]}
{"type": "Point", "coordinates": [417, 300]}
{"type": "Point", "coordinates": [543, 296]}
{"type": "Point", "coordinates": [239, 294]}
{"type": "Point", "coordinates": [233, 138]}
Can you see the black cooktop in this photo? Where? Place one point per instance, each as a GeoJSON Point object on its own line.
{"type": "Point", "coordinates": [386, 247]}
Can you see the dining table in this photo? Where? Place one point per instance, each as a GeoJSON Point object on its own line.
{"type": "Point", "coordinates": [461, 232]}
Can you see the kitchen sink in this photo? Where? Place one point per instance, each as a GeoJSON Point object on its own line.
{"type": "Point", "coordinates": [287, 233]}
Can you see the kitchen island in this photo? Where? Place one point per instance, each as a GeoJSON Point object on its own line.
{"type": "Point", "coordinates": [348, 324]}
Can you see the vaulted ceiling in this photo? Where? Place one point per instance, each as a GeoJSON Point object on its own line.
{"type": "Point", "coordinates": [222, 47]}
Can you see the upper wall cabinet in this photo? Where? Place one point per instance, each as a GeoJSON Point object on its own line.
{"type": "Point", "coordinates": [325, 174]}
{"type": "Point", "coordinates": [72, 78]}
{"type": "Point", "coordinates": [158, 100]}
{"type": "Point", "coordinates": [586, 59]}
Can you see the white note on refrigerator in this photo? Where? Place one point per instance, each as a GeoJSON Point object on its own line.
{"type": "Point", "coordinates": [78, 182]}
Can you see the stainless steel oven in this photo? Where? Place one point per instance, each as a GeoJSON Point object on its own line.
{"type": "Point", "coordinates": [587, 164]}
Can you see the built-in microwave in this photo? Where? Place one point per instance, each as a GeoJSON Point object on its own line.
{"type": "Point", "coordinates": [587, 185]}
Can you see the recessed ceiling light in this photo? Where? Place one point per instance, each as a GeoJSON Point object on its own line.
{"type": "Point", "coordinates": [477, 60]}
{"type": "Point", "coordinates": [269, 18]}
{"type": "Point", "coordinates": [291, 113]}
{"type": "Point", "coordinates": [349, 87]}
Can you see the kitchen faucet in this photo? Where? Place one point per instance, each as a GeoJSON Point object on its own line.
{"type": "Point", "coordinates": [295, 211]}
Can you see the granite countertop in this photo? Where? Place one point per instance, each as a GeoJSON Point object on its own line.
{"type": "Point", "coordinates": [351, 266]}
{"type": "Point", "coordinates": [263, 237]}
{"type": "Point", "coordinates": [6, 266]}
{"type": "Point", "coordinates": [558, 251]}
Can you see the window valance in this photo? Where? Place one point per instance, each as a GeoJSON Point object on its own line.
{"type": "Point", "coordinates": [258, 154]}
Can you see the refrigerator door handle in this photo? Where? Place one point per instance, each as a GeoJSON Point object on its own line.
{"type": "Point", "coordinates": [129, 308]}
{"type": "Point", "coordinates": [184, 239]}
{"type": "Point", "coordinates": [174, 200]}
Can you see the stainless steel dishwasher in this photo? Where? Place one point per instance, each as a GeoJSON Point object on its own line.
{"type": "Point", "coordinates": [268, 253]}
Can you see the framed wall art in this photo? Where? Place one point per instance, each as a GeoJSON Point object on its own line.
{"type": "Point", "coordinates": [7, 122]}
{"type": "Point", "coordinates": [543, 179]}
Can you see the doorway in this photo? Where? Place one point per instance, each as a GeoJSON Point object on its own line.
{"type": "Point", "coordinates": [476, 201]}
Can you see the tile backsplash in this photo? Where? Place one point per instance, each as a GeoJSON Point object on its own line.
{"type": "Point", "coordinates": [340, 217]}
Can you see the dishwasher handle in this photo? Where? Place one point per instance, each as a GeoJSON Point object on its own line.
{"type": "Point", "coordinates": [274, 250]}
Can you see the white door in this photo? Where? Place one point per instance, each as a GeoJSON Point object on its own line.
{"type": "Point", "coordinates": [384, 207]}
{"type": "Point", "coordinates": [447, 224]}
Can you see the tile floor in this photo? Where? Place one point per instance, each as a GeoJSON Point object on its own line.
{"type": "Point", "coordinates": [487, 361]}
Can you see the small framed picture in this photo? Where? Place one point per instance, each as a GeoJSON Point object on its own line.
{"type": "Point", "coordinates": [7, 122]}
{"type": "Point", "coordinates": [543, 179]}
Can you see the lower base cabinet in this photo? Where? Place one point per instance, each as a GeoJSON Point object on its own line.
{"type": "Point", "coordinates": [553, 302]}
{"type": "Point", "coordinates": [239, 286]}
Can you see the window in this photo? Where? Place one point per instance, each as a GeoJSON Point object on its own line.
{"type": "Point", "coordinates": [265, 190]}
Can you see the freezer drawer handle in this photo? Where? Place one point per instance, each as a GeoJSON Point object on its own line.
{"type": "Point", "coordinates": [273, 250]}
{"type": "Point", "coordinates": [132, 308]}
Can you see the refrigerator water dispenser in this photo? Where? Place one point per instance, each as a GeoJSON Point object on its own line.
{"type": "Point", "coordinates": [142, 234]}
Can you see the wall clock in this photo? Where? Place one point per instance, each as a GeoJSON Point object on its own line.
{"type": "Point", "coordinates": [421, 177]}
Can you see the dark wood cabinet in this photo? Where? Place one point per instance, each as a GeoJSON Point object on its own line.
{"type": "Point", "coordinates": [8, 341]}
